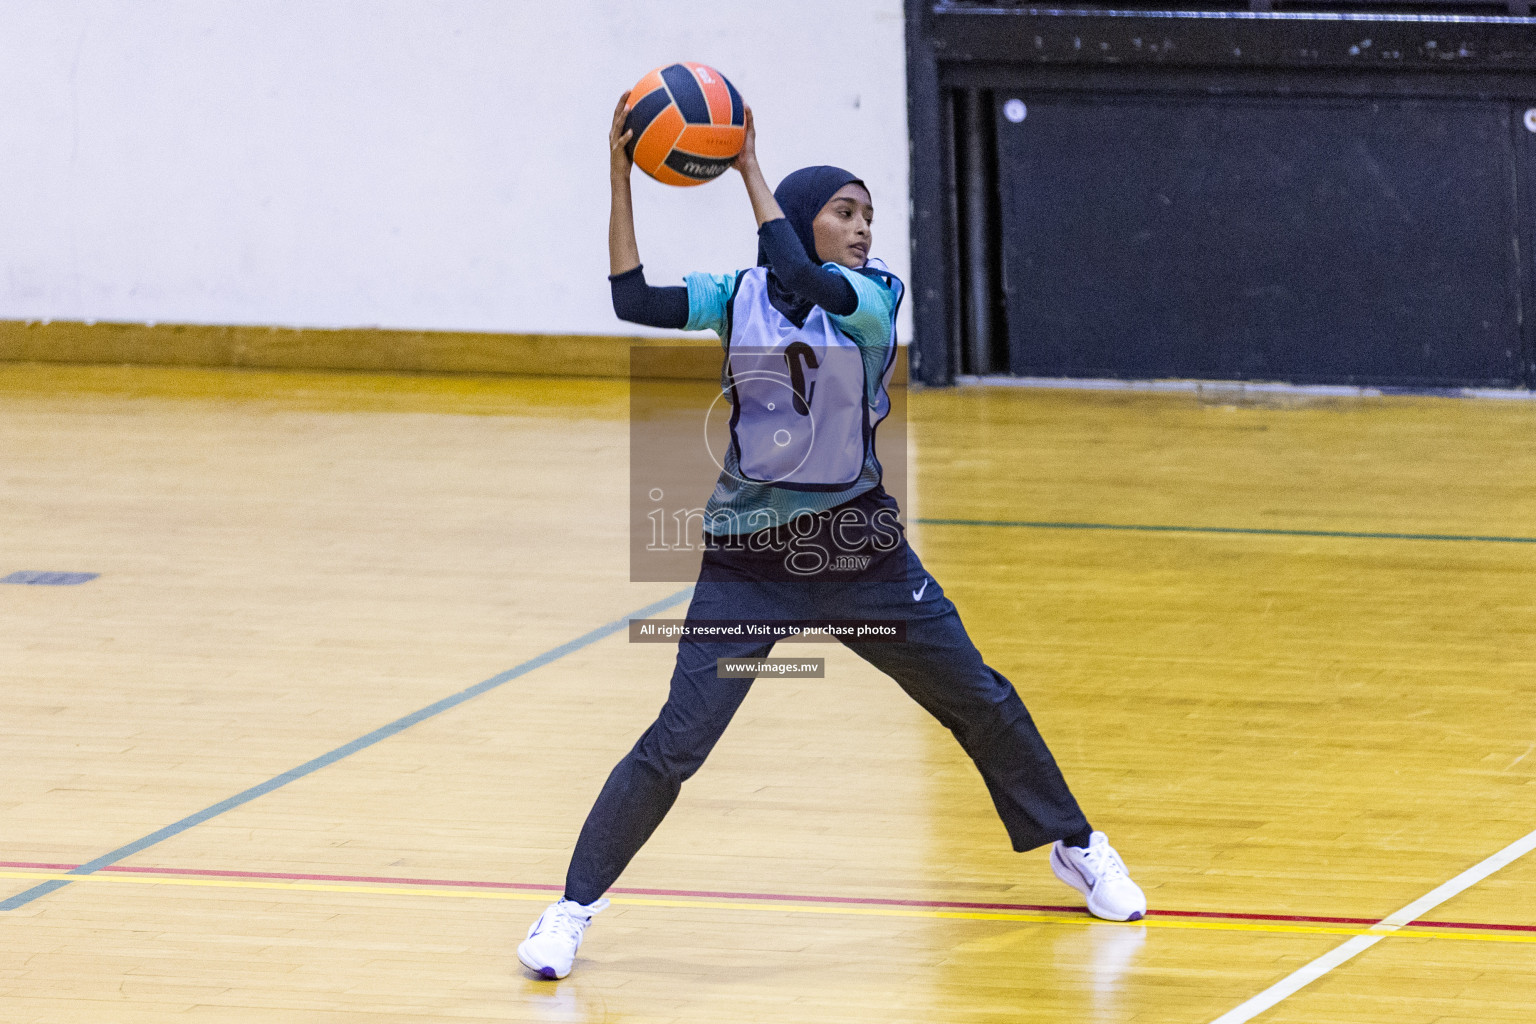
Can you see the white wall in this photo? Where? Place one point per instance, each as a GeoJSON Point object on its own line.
{"type": "Point", "coordinates": [399, 163]}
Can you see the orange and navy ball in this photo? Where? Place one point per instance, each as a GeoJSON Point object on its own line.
{"type": "Point", "coordinates": [689, 124]}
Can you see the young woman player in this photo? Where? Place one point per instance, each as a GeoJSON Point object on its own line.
{"type": "Point", "coordinates": [821, 313]}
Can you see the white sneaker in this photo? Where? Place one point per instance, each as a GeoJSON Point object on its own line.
{"type": "Point", "coordinates": [1098, 873]}
{"type": "Point", "coordinates": [552, 942]}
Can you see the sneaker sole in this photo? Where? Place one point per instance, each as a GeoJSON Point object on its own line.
{"type": "Point", "coordinates": [1134, 915]}
{"type": "Point", "coordinates": [542, 970]}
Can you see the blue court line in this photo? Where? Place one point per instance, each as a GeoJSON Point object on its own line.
{"type": "Point", "coordinates": [361, 743]}
{"type": "Point", "coordinates": [1227, 529]}
{"type": "Point", "coordinates": [34, 578]}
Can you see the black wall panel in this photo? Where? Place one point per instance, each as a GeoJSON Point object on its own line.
{"type": "Point", "coordinates": [1339, 192]}
{"type": "Point", "coordinates": [1352, 239]}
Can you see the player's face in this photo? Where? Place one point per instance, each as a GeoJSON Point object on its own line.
{"type": "Point", "coordinates": [843, 227]}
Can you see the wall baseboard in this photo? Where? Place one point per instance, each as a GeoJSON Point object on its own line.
{"type": "Point", "coordinates": [345, 349]}
{"type": "Point", "coordinates": [360, 348]}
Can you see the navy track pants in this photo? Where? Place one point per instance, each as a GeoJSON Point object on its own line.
{"type": "Point", "coordinates": [937, 665]}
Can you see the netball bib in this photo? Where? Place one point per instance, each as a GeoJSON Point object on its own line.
{"type": "Point", "coordinates": [799, 418]}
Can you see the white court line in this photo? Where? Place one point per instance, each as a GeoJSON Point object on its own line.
{"type": "Point", "coordinates": [1391, 923]}
{"type": "Point", "coordinates": [1219, 388]}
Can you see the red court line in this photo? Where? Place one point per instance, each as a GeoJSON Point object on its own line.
{"type": "Point", "coordinates": [759, 896]}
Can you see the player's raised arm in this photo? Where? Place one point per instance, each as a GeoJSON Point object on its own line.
{"type": "Point", "coordinates": [764, 207]}
{"type": "Point", "coordinates": [633, 299]}
{"type": "Point", "coordinates": [623, 250]}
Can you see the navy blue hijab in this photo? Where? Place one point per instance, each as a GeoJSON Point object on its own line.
{"type": "Point", "coordinates": [801, 196]}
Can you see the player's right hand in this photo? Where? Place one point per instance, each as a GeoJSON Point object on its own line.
{"type": "Point", "coordinates": [619, 162]}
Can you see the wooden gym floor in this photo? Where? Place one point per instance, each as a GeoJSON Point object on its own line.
{"type": "Point", "coordinates": [1292, 730]}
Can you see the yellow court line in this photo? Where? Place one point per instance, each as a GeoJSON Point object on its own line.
{"type": "Point", "coordinates": [791, 908]}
